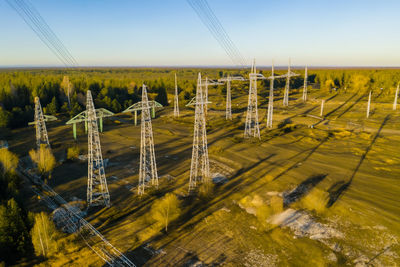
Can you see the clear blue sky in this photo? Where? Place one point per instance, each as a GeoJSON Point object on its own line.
{"type": "Point", "coordinates": [168, 32]}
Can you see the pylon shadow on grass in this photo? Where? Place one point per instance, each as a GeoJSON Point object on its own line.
{"type": "Point", "coordinates": [303, 189]}
{"type": "Point", "coordinates": [339, 188]}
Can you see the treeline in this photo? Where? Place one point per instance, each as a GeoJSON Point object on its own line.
{"type": "Point", "coordinates": [15, 223]}
{"type": "Point", "coordinates": [24, 236]}
{"type": "Point", "coordinates": [118, 88]}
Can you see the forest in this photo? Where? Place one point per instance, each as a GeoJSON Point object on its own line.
{"type": "Point", "coordinates": [117, 88]}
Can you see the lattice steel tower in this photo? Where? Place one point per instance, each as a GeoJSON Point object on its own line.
{"type": "Point", "coordinates": [228, 80]}
{"type": "Point", "coordinates": [270, 110]}
{"type": "Point", "coordinates": [97, 191]}
{"type": "Point", "coordinates": [287, 86]}
{"type": "Point", "coordinates": [199, 169]}
{"type": "Point", "coordinates": [148, 168]}
{"type": "Point", "coordinates": [252, 128]}
{"type": "Point", "coordinates": [41, 132]}
{"type": "Point", "coordinates": [228, 111]}
{"type": "Point", "coordinates": [176, 99]}
{"type": "Point", "coordinates": [305, 86]}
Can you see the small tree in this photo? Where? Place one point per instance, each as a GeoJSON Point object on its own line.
{"type": "Point", "coordinates": [73, 152]}
{"type": "Point", "coordinates": [162, 96]}
{"type": "Point", "coordinates": [44, 235]}
{"type": "Point", "coordinates": [166, 210]}
{"type": "Point", "coordinates": [4, 118]}
{"type": "Point", "coordinates": [8, 160]}
{"type": "Point", "coordinates": [44, 160]}
{"type": "Point", "coordinates": [52, 107]}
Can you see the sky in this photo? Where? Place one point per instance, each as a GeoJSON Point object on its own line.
{"type": "Point", "coordinates": [169, 33]}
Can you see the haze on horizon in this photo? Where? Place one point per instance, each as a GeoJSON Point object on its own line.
{"type": "Point", "coordinates": [169, 33]}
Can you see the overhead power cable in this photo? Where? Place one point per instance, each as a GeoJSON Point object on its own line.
{"type": "Point", "coordinates": [210, 20]}
{"type": "Point", "coordinates": [36, 22]}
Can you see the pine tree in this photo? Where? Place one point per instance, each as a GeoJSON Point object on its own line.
{"type": "Point", "coordinates": [162, 97]}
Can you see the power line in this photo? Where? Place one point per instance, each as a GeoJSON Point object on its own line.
{"type": "Point", "coordinates": [36, 22]}
{"type": "Point", "coordinates": [212, 23]}
{"type": "Point", "coordinates": [207, 16]}
{"type": "Point", "coordinates": [49, 31]}
{"type": "Point", "coordinates": [224, 33]}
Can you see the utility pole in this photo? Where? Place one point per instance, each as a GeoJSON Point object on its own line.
{"type": "Point", "coordinates": [395, 97]}
{"type": "Point", "coordinates": [148, 168]}
{"type": "Point", "coordinates": [41, 132]}
{"type": "Point", "coordinates": [97, 191]}
{"type": "Point", "coordinates": [322, 108]}
{"type": "Point", "coordinates": [252, 128]}
{"type": "Point", "coordinates": [176, 100]}
{"type": "Point", "coordinates": [305, 86]}
{"type": "Point", "coordinates": [199, 169]}
{"type": "Point", "coordinates": [287, 86]}
{"type": "Point", "coordinates": [369, 104]}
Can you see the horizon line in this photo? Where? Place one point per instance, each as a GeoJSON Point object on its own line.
{"type": "Point", "coordinates": [193, 66]}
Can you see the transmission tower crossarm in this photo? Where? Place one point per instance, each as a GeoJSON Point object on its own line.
{"type": "Point", "coordinates": [83, 116]}
{"type": "Point", "coordinates": [232, 78]}
{"type": "Point", "coordinates": [139, 106]}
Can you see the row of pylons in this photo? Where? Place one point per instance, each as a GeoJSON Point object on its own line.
{"type": "Point", "coordinates": [97, 190]}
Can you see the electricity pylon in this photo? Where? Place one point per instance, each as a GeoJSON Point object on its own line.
{"type": "Point", "coordinates": [41, 132]}
{"type": "Point", "coordinates": [228, 79]}
{"type": "Point", "coordinates": [369, 104]}
{"type": "Point", "coordinates": [228, 111]}
{"type": "Point", "coordinates": [270, 110]}
{"type": "Point", "coordinates": [199, 169]}
{"type": "Point", "coordinates": [252, 128]}
{"type": "Point", "coordinates": [148, 168]}
{"type": "Point", "coordinates": [97, 191]}
{"type": "Point", "coordinates": [176, 100]}
{"type": "Point", "coordinates": [305, 86]}
{"type": "Point", "coordinates": [395, 97]}
{"type": "Point", "coordinates": [287, 86]}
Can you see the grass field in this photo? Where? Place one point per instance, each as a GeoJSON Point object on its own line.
{"type": "Point", "coordinates": [337, 183]}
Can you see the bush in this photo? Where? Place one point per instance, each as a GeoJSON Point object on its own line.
{"type": "Point", "coordinates": [276, 204]}
{"type": "Point", "coordinates": [315, 201]}
{"type": "Point", "coordinates": [73, 152]}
